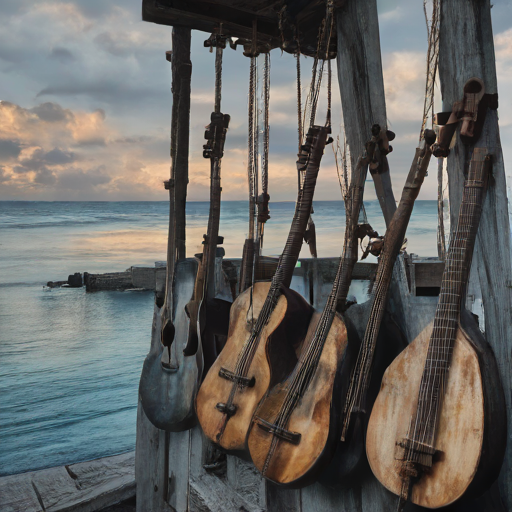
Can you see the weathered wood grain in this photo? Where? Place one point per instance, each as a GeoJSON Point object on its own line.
{"type": "Point", "coordinates": [461, 425]}
{"type": "Point", "coordinates": [83, 487]}
{"type": "Point", "coordinates": [362, 86]}
{"type": "Point", "coordinates": [179, 471]}
{"type": "Point", "coordinates": [150, 450]}
{"type": "Point", "coordinates": [217, 389]}
{"type": "Point", "coordinates": [467, 50]}
{"type": "Point", "coordinates": [180, 128]}
{"type": "Point", "coordinates": [211, 494]}
{"type": "Point", "coordinates": [245, 480]}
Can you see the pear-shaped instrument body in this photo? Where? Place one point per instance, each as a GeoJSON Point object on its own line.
{"type": "Point", "coordinates": [168, 387]}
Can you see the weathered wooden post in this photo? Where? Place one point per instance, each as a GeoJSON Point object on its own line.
{"type": "Point", "coordinates": [362, 86]}
{"type": "Point", "coordinates": [180, 126]}
{"type": "Point", "coordinates": [466, 50]}
{"type": "Point", "coordinates": [159, 453]}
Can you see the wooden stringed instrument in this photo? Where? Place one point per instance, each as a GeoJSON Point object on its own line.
{"type": "Point", "coordinates": [171, 375]}
{"type": "Point", "coordinates": [437, 431]}
{"type": "Point", "coordinates": [376, 333]}
{"type": "Point", "coordinates": [169, 380]}
{"type": "Point", "coordinates": [294, 427]}
{"type": "Point", "coordinates": [265, 321]}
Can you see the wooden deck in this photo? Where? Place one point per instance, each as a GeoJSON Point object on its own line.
{"type": "Point", "coordinates": [84, 487]}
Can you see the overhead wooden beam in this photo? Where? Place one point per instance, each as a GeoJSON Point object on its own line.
{"type": "Point", "coordinates": [466, 49]}
{"type": "Point", "coordinates": [362, 86]}
{"type": "Point", "coordinates": [237, 16]}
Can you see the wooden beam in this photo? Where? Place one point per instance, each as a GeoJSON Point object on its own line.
{"type": "Point", "coordinates": [180, 128]}
{"type": "Point", "coordinates": [362, 86]}
{"type": "Point", "coordinates": [467, 50]}
{"type": "Point", "coordinates": [81, 487]}
{"type": "Point", "coordinates": [151, 473]}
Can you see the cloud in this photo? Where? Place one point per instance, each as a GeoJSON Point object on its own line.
{"type": "Point", "coordinates": [79, 179]}
{"type": "Point", "coordinates": [50, 112]}
{"type": "Point", "coordinates": [9, 149]}
{"type": "Point", "coordinates": [45, 177]}
{"type": "Point", "coordinates": [63, 55]}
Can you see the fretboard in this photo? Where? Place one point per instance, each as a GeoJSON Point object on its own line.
{"type": "Point", "coordinates": [311, 353]}
{"type": "Point", "coordinates": [455, 276]}
{"type": "Point", "coordinates": [395, 234]}
{"type": "Point", "coordinates": [315, 145]}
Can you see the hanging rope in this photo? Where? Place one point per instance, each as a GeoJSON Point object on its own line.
{"type": "Point", "coordinates": [252, 155]}
{"type": "Point", "coordinates": [263, 211]}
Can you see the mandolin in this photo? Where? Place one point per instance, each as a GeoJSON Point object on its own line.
{"type": "Point", "coordinates": [265, 321]}
{"type": "Point", "coordinates": [294, 427]}
{"type": "Point", "coordinates": [381, 341]}
{"type": "Point", "coordinates": [191, 315]}
{"type": "Point", "coordinates": [437, 431]}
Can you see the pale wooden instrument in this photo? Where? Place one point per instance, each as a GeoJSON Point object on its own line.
{"type": "Point", "coordinates": [265, 321]}
{"type": "Point", "coordinates": [437, 431]}
{"type": "Point", "coordinates": [171, 374]}
{"type": "Point", "coordinates": [294, 427]}
{"type": "Point", "coordinates": [381, 339]}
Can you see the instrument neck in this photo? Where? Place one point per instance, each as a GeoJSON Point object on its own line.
{"type": "Point", "coordinates": [393, 241]}
{"type": "Point", "coordinates": [171, 251]}
{"type": "Point", "coordinates": [458, 260]}
{"type": "Point", "coordinates": [455, 276]}
{"type": "Point", "coordinates": [313, 151]}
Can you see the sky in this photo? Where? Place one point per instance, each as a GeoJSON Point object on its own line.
{"type": "Point", "coordinates": [85, 103]}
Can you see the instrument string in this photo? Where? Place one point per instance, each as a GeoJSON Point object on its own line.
{"type": "Point", "coordinates": [282, 276]}
{"type": "Point", "coordinates": [361, 373]}
{"type": "Point", "coordinates": [309, 358]}
{"type": "Point", "coordinates": [441, 343]}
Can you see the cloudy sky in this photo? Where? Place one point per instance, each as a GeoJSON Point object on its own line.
{"type": "Point", "coordinates": [85, 102]}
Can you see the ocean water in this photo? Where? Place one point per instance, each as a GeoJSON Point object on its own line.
{"type": "Point", "coordinates": [70, 361]}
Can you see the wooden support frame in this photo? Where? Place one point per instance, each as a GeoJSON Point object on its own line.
{"type": "Point", "coordinates": [467, 50]}
{"type": "Point", "coordinates": [180, 128]}
{"type": "Point", "coordinates": [362, 86]}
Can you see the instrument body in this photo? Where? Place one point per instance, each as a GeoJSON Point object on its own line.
{"type": "Point", "coordinates": [377, 335]}
{"type": "Point", "coordinates": [472, 421]}
{"type": "Point", "coordinates": [313, 421]}
{"type": "Point", "coordinates": [349, 458]}
{"type": "Point", "coordinates": [168, 390]}
{"type": "Point", "coordinates": [172, 371]}
{"type": "Point", "coordinates": [441, 404]}
{"type": "Point", "coordinates": [294, 427]}
{"type": "Point", "coordinates": [267, 322]}
{"type": "Point", "coordinates": [291, 315]}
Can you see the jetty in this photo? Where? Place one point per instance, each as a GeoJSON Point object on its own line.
{"type": "Point", "coordinates": [183, 471]}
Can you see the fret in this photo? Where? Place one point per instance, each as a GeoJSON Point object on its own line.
{"type": "Point", "coordinates": [439, 354]}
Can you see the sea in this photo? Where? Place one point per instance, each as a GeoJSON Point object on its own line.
{"type": "Point", "coordinates": [70, 361]}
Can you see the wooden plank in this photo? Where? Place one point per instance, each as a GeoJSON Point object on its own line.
{"type": "Point", "coordinates": [211, 494]}
{"type": "Point", "coordinates": [17, 494]}
{"type": "Point", "coordinates": [362, 86]}
{"type": "Point", "coordinates": [179, 471]}
{"type": "Point", "coordinates": [180, 128]}
{"type": "Point", "coordinates": [428, 273]}
{"type": "Point", "coordinates": [245, 479]}
{"type": "Point", "coordinates": [278, 499]}
{"type": "Point", "coordinates": [150, 450]}
{"type": "Point", "coordinates": [467, 50]}
{"type": "Point", "coordinates": [84, 487]}
{"type": "Point", "coordinates": [237, 19]}
{"type": "Point", "coordinates": [316, 498]}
